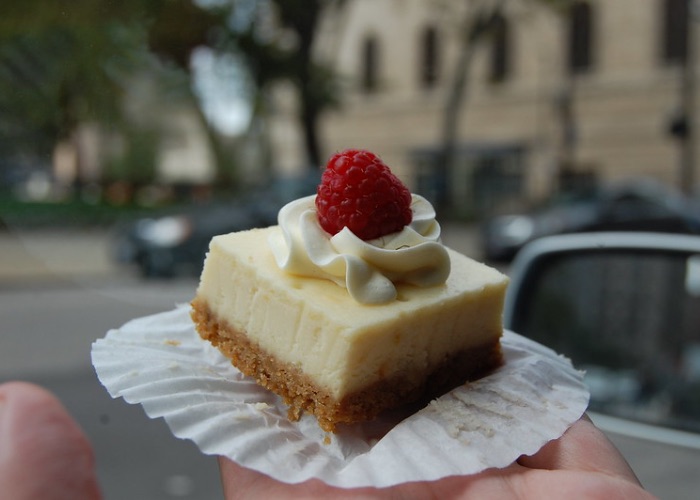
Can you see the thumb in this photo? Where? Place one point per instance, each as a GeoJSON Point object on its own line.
{"type": "Point", "coordinates": [43, 452]}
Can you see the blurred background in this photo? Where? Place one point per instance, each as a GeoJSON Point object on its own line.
{"type": "Point", "coordinates": [133, 131]}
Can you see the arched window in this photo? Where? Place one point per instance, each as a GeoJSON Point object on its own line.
{"type": "Point", "coordinates": [581, 32]}
{"type": "Point", "coordinates": [500, 50]}
{"type": "Point", "coordinates": [429, 58]}
{"type": "Point", "coordinates": [674, 35]}
{"type": "Point", "coordinates": [370, 65]}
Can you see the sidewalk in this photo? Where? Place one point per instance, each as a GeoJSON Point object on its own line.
{"type": "Point", "coordinates": [54, 254]}
{"type": "Point", "coordinates": [32, 256]}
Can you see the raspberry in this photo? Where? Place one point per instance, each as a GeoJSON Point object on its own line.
{"type": "Point", "coordinates": [358, 191]}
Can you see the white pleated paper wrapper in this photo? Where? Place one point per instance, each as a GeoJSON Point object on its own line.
{"type": "Point", "coordinates": [160, 362]}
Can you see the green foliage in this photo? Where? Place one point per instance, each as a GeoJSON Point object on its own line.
{"type": "Point", "coordinates": [61, 64]}
{"type": "Point", "coordinates": [137, 163]}
{"type": "Point", "coordinates": [67, 62]}
{"type": "Point", "coordinates": [16, 214]}
{"type": "Point", "coordinates": [64, 62]}
{"type": "Point", "coordinates": [178, 27]}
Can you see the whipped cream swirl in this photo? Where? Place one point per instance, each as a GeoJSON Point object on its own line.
{"type": "Point", "coordinates": [368, 269]}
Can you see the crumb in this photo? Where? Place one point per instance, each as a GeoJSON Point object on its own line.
{"type": "Point", "coordinates": [261, 406]}
{"type": "Point", "coordinates": [174, 343]}
{"type": "Point", "coordinates": [327, 439]}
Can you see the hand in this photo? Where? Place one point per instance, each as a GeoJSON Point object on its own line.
{"type": "Point", "coordinates": [583, 463]}
{"type": "Point", "coordinates": [43, 452]}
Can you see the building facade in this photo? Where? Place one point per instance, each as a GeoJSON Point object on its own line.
{"type": "Point", "coordinates": [540, 98]}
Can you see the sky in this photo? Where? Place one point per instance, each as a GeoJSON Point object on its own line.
{"type": "Point", "coordinates": [223, 90]}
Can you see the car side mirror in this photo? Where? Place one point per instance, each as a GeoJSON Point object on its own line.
{"type": "Point", "coordinates": [625, 307]}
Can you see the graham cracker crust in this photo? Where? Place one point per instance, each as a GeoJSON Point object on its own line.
{"type": "Point", "coordinates": [301, 394]}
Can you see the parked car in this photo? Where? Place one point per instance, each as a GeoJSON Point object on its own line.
{"type": "Point", "coordinates": [640, 205]}
{"type": "Point", "coordinates": [625, 308]}
{"type": "Point", "coordinates": [176, 242]}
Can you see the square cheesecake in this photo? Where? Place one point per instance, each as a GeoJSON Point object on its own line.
{"type": "Point", "coordinates": [308, 341]}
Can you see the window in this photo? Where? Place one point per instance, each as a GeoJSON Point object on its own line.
{"type": "Point", "coordinates": [674, 31]}
{"type": "Point", "coordinates": [500, 53]}
{"type": "Point", "coordinates": [580, 37]}
{"type": "Point", "coordinates": [429, 58]}
{"type": "Point", "coordinates": [370, 65]}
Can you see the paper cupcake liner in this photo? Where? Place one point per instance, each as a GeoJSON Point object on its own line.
{"type": "Point", "coordinates": [160, 362]}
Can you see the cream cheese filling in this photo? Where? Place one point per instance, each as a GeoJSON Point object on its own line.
{"type": "Point", "coordinates": [344, 345]}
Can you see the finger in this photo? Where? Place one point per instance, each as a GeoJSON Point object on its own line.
{"type": "Point", "coordinates": [241, 482]}
{"type": "Point", "coordinates": [582, 447]}
{"type": "Point", "coordinates": [238, 482]}
{"type": "Point", "coordinates": [43, 452]}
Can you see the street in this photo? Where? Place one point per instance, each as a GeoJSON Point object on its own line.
{"type": "Point", "coordinates": [46, 338]}
{"type": "Point", "coordinates": [49, 321]}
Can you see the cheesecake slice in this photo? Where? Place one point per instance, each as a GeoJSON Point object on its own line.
{"type": "Point", "coordinates": [343, 361]}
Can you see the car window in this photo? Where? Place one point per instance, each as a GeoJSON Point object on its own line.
{"type": "Point", "coordinates": [633, 324]}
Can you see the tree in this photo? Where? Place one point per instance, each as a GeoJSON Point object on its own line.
{"type": "Point", "coordinates": [477, 26]}
{"type": "Point", "coordinates": [566, 111]}
{"type": "Point", "coordinates": [60, 66]}
{"type": "Point", "coordinates": [269, 60]}
{"type": "Point", "coordinates": [314, 82]}
{"type": "Point", "coordinates": [64, 63]}
{"type": "Point", "coordinates": [176, 30]}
